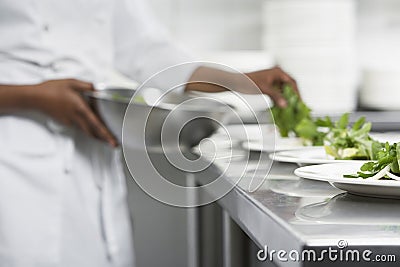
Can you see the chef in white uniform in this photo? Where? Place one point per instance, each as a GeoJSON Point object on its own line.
{"type": "Point", "coordinates": [62, 192]}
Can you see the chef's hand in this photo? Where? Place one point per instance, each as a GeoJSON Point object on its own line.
{"type": "Point", "coordinates": [63, 101]}
{"type": "Point", "coordinates": [271, 82]}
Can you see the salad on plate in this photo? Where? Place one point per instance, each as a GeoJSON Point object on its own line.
{"type": "Point", "coordinates": [340, 140]}
{"type": "Point", "coordinates": [386, 165]}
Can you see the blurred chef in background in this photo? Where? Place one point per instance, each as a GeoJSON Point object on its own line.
{"type": "Point", "coordinates": [62, 188]}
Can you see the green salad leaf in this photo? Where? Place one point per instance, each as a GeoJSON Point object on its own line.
{"type": "Point", "coordinates": [340, 139]}
{"type": "Point", "coordinates": [386, 165]}
{"type": "Point", "coordinates": [287, 119]}
{"type": "Point", "coordinates": [345, 142]}
{"type": "Point", "coordinates": [295, 120]}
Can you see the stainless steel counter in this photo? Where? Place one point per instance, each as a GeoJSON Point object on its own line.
{"type": "Point", "coordinates": [286, 213]}
{"type": "Point", "coordinates": [302, 216]}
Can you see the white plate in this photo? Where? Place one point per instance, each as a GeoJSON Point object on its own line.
{"type": "Point", "coordinates": [252, 132]}
{"type": "Point", "coordinates": [268, 145]}
{"type": "Point", "coordinates": [259, 138]}
{"type": "Point", "coordinates": [391, 137]}
{"type": "Point", "coordinates": [306, 156]}
{"type": "Point", "coordinates": [333, 173]}
{"type": "Point", "coordinates": [265, 138]}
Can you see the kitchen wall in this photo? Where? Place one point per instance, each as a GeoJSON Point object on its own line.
{"type": "Point", "coordinates": [238, 24]}
{"type": "Point", "coordinates": [212, 24]}
{"type": "Point", "coordinates": [210, 28]}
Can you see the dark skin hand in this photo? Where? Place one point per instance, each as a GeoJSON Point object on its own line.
{"type": "Point", "coordinates": [269, 82]}
{"type": "Point", "coordinates": [60, 99]}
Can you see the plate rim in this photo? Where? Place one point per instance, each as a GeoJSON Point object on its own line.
{"type": "Point", "coordinates": [281, 158]}
{"type": "Point", "coordinates": [332, 180]}
{"type": "Point", "coordinates": [245, 145]}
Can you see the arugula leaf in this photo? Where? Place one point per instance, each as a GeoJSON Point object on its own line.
{"type": "Point", "coordinates": [343, 121]}
{"type": "Point", "coordinates": [351, 143]}
{"type": "Point", "coordinates": [359, 123]}
{"type": "Point", "coordinates": [350, 176]}
{"type": "Point", "coordinates": [367, 166]}
{"type": "Point", "coordinates": [308, 130]}
{"type": "Point", "coordinates": [388, 156]}
{"type": "Point", "coordinates": [326, 122]}
{"type": "Point", "coordinates": [286, 119]}
{"type": "Point", "coordinates": [339, 139]}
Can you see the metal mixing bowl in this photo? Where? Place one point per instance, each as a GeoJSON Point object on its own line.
{"type": "Point", "coordinates": [176, 119]}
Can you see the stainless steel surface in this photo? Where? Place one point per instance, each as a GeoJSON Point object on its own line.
{"type": "Point", "coordinates": [192, 226]}
{"type": "Point", "coordinates": [194, 119]}
{"type": "Point", "coordinates": [291, 213]}
{"type": "Point", "coordinates": [159, 231]}
{"type": "Point", "coordinates": [258, 117]}
{"type": "Point", "coordinates": [226, 240]}
{"type": "Point", "coordinates": [285, 213]}
{"type": "Point", "coordinates": [381, 120]}
{"type": "Point", "coordinates": [235, 243]}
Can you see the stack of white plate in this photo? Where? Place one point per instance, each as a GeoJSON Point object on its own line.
{"type": "Point", "coordinates": [381, 89]}
{"type": "Point", "coordinates": [241, 60]}
{"type": "Point", "coordinates": [379, 41]}
{"type": "Point", "coordinates": [314, 40]}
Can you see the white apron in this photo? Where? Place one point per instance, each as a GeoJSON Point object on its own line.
{"type": "Point", "coordinates": [63, 195]}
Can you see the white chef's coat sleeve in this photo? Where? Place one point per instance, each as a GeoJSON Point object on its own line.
{"type": "Point", "coordinates": [143, 48]}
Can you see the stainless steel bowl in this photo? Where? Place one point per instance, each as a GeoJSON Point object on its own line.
{"type": "Point", "coordinates": [176, 120]}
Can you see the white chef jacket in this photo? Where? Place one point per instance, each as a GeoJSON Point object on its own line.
{"type": "Point", "coordinates": [63, 195]}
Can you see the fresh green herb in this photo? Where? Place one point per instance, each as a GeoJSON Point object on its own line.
{"type": "Point", "coordinates": [339, 139]}
{"type": "Point", "coordinates": [313, 132]}
{"type": "Point", "coordinates": [289, 117]}
{"type": "Point", "coordinates": [345, 142]}
{"type": "Point", "coordinates": [295, 120]}
{"type": "Point", "coordinates": [386, 165]}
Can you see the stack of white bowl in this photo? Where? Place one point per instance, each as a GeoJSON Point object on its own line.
{"type": "Point", "coordinates": [379, 42]}
{"type": "Point", "coordinates": [380, 89]}
{"type": "Point", "coordinates": [314, 40]}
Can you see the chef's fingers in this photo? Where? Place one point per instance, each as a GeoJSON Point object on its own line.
{"type": "Point", "coordinates": [82, 124]}
{"type": "Point", "coordinates": [284, 78]}
{"type": "Point", "coordinates": [98, 127]}
{"type": "Point", "coordinates": [80, 85]}
{"type": "Point", "coordinates": [292, 82]}
{"type": "Point", "coordinates": [277, 97]}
